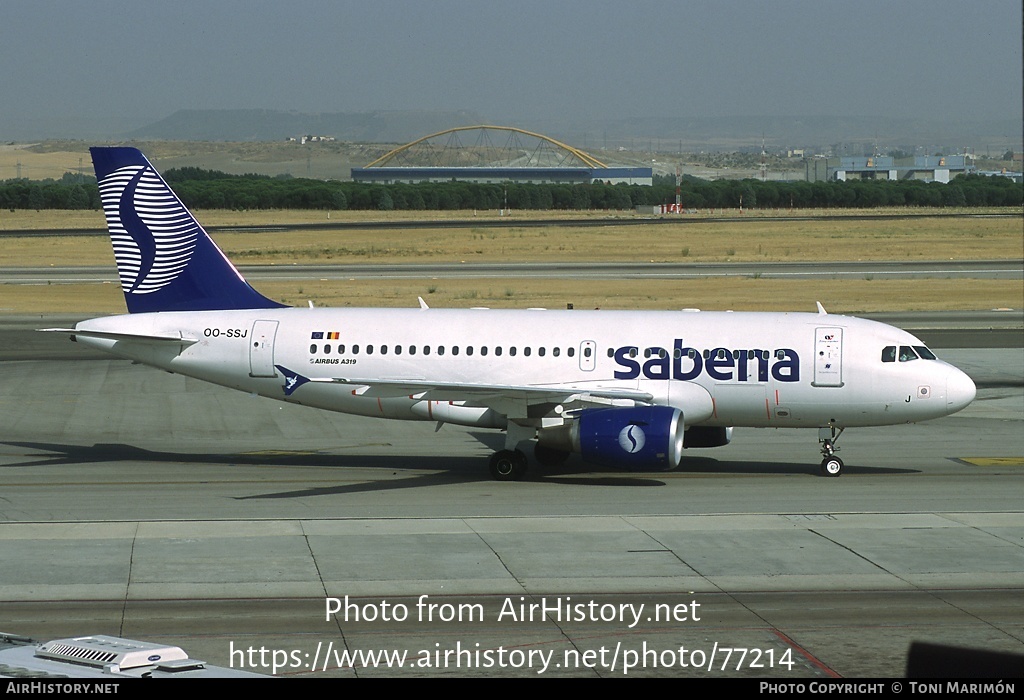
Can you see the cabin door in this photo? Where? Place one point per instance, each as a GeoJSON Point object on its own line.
{"type": "Point", "coordinates": [261, 349]}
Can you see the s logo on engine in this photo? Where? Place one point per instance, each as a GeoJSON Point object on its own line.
{"type": "Point", "coordinates": [632, 438]}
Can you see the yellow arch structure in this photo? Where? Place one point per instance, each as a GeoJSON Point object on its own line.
{"type": "Point", "coordinates": [584, 157]}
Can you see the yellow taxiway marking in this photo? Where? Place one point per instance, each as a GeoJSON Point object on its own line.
{"type": "Point", "coordinates": [994, 461]}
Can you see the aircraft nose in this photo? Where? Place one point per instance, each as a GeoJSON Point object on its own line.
{"type": "Point", "coordinates": [960, 390]}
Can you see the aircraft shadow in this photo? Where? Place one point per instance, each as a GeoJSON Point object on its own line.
{"type": "Point", "coordinates": [692, 463]}
{"type": "Point", "coordinates": [442, 469]}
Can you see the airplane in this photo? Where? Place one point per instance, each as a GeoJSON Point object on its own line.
{"type": "Point", "coordinates": [629, 390]}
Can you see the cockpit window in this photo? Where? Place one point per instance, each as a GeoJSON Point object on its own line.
{"type": "Point", "coordinates": [889, 353]}
{"type": "Point", "coordinates": [907, 353]}
{"type": "Point", "coordinates": [924, 353]}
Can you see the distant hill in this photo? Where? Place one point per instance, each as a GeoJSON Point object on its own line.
{"type": "Point", "coordinates": [665, 134]}
{"type": "Point", "coordinates": [271, 125]}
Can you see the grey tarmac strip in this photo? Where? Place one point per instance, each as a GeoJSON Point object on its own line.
{"type": "Point", "coordinates": [949, 269]}
{"type": "Point", "coordinates": [516, 221]}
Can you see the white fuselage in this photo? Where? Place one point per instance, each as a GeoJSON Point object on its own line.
{"type": "Point", "coordinates": [719, 368]}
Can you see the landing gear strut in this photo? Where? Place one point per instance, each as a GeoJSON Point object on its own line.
{"type": "Point", "coordinates": [828, 437]}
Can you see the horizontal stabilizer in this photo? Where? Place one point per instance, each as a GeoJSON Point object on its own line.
{"type": "Point", "coordinates": [128, 337]}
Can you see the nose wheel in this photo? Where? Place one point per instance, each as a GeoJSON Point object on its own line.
{"type": "Point", "coordinates": [830, 465]}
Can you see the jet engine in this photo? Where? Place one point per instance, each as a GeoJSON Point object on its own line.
{"type": "Point", "coordinates": [638, 438]}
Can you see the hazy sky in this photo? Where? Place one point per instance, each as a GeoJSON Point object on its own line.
{"type": "Point", "coordinates": [138, 61]}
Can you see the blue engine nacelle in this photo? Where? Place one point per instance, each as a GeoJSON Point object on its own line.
{"type": "Point", "coordinates": [640, 438]}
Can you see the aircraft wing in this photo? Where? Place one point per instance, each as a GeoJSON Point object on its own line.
{"type": "Point", "coordinates": [486, 394]}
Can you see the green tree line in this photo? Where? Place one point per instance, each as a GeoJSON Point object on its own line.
{"type": "Point", "coordinates": [203, 189]}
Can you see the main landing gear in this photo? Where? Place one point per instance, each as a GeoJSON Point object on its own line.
{"type": "Point", "coordinates": [511, 465]}
{"type": "Point", "coordinates": [830, 465]}
{"type": "Point", "coordinates": [508, 465]}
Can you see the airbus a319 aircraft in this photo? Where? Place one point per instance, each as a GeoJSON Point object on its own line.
{"type": "Point", "coordinates": [629, 390]}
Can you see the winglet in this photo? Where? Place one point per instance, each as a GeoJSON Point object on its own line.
{"type": "Point", "coordinates": [821, 309]}
{"type": "Point", "coordinates": [165, 259]}
{"type": "Point", "coordinates": [423, 304]}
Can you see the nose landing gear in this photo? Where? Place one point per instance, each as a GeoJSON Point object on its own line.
{"type": "Point", "coordinates": [830, 465]}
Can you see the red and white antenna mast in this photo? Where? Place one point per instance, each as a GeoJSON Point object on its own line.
{"type": "Point", "coordinates": [764, 161]}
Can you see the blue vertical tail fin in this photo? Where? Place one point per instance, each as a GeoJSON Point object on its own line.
{"type": "Point", "coordinates": [165, 260]}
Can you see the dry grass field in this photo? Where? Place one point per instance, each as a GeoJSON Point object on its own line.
{"type": "Point", "coordinates": [51, 159]}
{"type": "Point", "coordinates": [696, 240]}
{"type": "Point", "coordinates": [712, 241]}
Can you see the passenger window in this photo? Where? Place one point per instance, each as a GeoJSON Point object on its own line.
{"type": "Point", "coordinates": [469, 350]}
{"type": "Point", "coordinates": [327, 349]}
{"type": "Point", "coordinates": [556, 351]}
{"type": "Point", "coordinates": [722, 353]}
{"type": "Point", "coordinates": [455, 349]}
{"type": "Point", "coordinates": [412, 349]}
{"type": "Point", "coordinates": [355, 349]}
{"type": "Point", "coordinates": [512, 351]}
{"type": "Point", "coordinates": [483, 350]}
{"type": "Point", "coordinates": [497, 351]}
{"type": "Point", "coordinates": [632, 352]}
{"type": "Point", "coordinates": [440, 349]}
{"type": "Point", "coordinates": [541, 351]}
{"type": "Point", "coordinates": [907, 353]}
{"type": "Point", "coordinates": [426, 349]}
{"type": "Point", "coordinates": [611, 352]}
{"type": "Point", "coordinates": [312, 349]}
{"type": "Point", "coordinates": [398, 349]}
{"type": "Point", "coordinates": [369, 349]}
{"type": "Point", "coordinates": [526, 352]}
{"type": "Point", "coordinates": [924, 353]}
{"type": "Point", "coordinates": [383, 349]}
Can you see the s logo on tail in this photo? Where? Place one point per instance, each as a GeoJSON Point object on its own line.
{"type": "Point", "coordinates": [165, 259]}
{"type": "Point", "coordinates": [152, 233]}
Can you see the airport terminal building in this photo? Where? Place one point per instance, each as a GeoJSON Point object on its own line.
{"type": "Point", "coordinates": [924, 168]}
